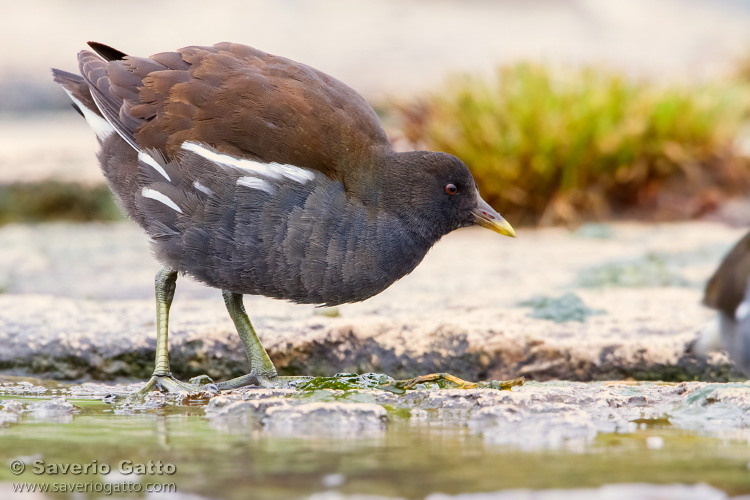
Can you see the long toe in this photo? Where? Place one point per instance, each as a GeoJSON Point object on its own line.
{"type": "Point", "coordinates": [169, 384]}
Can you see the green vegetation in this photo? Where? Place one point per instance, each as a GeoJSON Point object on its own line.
{"type": "Point", "coordinates": [564, 146]}
{"type": "Point", "coordinates": [346, 382]}
{"type": "Point", "coordinates": [567, 307]}
{"type": "Point", "coordinates": [52, 200]}
{"type": "Point", "coordinates": [651, 270]}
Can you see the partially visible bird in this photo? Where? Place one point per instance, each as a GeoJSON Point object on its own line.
{"type": "Point", "coordinates": [728, 291]}
{"type": "Point", "coordinates": [259, 175]}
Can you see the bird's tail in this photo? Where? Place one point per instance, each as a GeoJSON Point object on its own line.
{"type": "Point", "coordinates": [79, 92]}
{"type": "Point", "coordinates": [77, 89]}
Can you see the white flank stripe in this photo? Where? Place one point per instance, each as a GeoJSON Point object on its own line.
{"type": "Point", "coordinates": [101, 127]}
{"type": "Point", "coordinates": [255, 183]}
{"type": "Point", "coordinates": [149, 160]}
{"type": "Point", "coordinates": [160, 197]}
{"type": "Point", "coordinates": [272, 170]}
{"type": "Point", "coordinates": [203, 189]}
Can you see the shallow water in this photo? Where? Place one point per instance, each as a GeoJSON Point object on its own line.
{"type": "Point", "coordinates": [404, 460]}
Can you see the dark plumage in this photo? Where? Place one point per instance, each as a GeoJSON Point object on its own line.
{"type": "Point", "coordinates": [728, 291]}
{"type": "Point", "coordinates": [259, 175]}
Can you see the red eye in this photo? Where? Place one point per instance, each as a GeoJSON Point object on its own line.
{"type": "Point", "coordinates": [451, 189]}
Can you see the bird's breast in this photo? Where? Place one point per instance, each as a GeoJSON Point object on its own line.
{"type": "Point", "coordinates": [275, 230]}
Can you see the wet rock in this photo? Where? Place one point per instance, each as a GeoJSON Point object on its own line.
{"type": "Point", "coordinates": [10, 412]}
{"type": "Point", "coordinates": [539, 428]}
{"type": "Point", "coordinates": [569, 415]}
{"type": "Point", "coordinates": [56, 409]}
{"type": "Point", "coordinates": [722, 409]}
{"type": "Point", "coordinates": [326, 419]}
{"type": "Point", "coordinates": [289, 412]}
{"type": "Point", "coordinates": [239, 416]}
{"type": "Point", "coordinates": [535, 416]}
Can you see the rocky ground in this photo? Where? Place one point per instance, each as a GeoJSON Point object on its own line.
{"type": "Point", "coordinates": [534, 416]}
{"type": "Point", "coordinates": [603, 302]}
{"type": "Point", "coordinates": [560, 417]}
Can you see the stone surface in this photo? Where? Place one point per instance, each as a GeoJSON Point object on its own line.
{"type": "Point", "coordinates": [547, 420]}
{"type": "Point", "coordinates": [536, 416]}
{"type": "Point", "coordinates": [78, 304]}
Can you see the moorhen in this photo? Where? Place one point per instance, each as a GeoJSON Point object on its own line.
{"type": "Point", "coordinates": [728, 291]}
{"type": "Point", "coordinates": [255, 174]}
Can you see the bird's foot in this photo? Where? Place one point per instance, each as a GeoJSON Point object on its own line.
{"type": "Point", "coordinates": [172, 385]}
{"type": "Point", "coordinates": [204, 383]}
{"type": "Point", "coordinates": [266, 382]}
{"type": "Point", "coordinates": [448, 381]}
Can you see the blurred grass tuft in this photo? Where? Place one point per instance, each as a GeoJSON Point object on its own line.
{"type": "Point", "coordinates": [549, 146]}
{"type": "Point", "coordinates": [53, 200]}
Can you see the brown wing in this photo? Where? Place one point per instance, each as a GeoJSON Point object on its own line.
{"type": "Point", "coordinates": [726, 288]}
{"type": "Point", "coordinates": [239, 100]}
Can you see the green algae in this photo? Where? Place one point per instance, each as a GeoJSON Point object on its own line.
{"type": "Point", "coordinates": [346, 382]}
{"type": "Point", "coordinates": [596, 231]}
{"type": "Point", "coordinates": [651, 270]}
{"type": "Point", "coordinates": [567, 307]}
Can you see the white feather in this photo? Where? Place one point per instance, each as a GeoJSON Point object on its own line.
{"type": "Point", "coordinates": [272, 170]}
{"type": "Point", "coordinates": [709, 337]}
{"type": "Point", "coordinates": [160, 197]}
{"type": "Point", "coordinates": [101, 127]}
{"type": "Point", "coordinates": [203, 189]}
{"type": "Point", "coordinates": [149, 160]}
{"type": "Point", "coordinates": [255, 183]}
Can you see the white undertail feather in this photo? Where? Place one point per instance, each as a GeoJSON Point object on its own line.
{"type": "Point", "coordinates": [743, 310]}
{"type": "Point", "coordinates": [160, 197]}
{"type": "Point", "coordinates": [149, 160]}
{"type": "Point", "coordinates": [709, 337]}
{"type": "Point", "coordinates": [272, 170]}
{"type": "Point", "coordinates": [255, 183]}
{"type": "Point", "coordinates": [101, 127]}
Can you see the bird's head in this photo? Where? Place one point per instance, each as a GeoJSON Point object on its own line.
{"type": "Point", "coordinates": [437, 191]}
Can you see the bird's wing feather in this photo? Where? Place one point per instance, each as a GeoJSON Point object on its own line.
{"type": "Point", "coordinates": [727, 287]}
{"type": "Point", "coordinates": [238, 100]}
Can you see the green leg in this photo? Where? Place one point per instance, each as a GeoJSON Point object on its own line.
{"type": "Point", "coordinates": [262, 371]}
{"type": "Point", "coordinates": [162, 376]}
